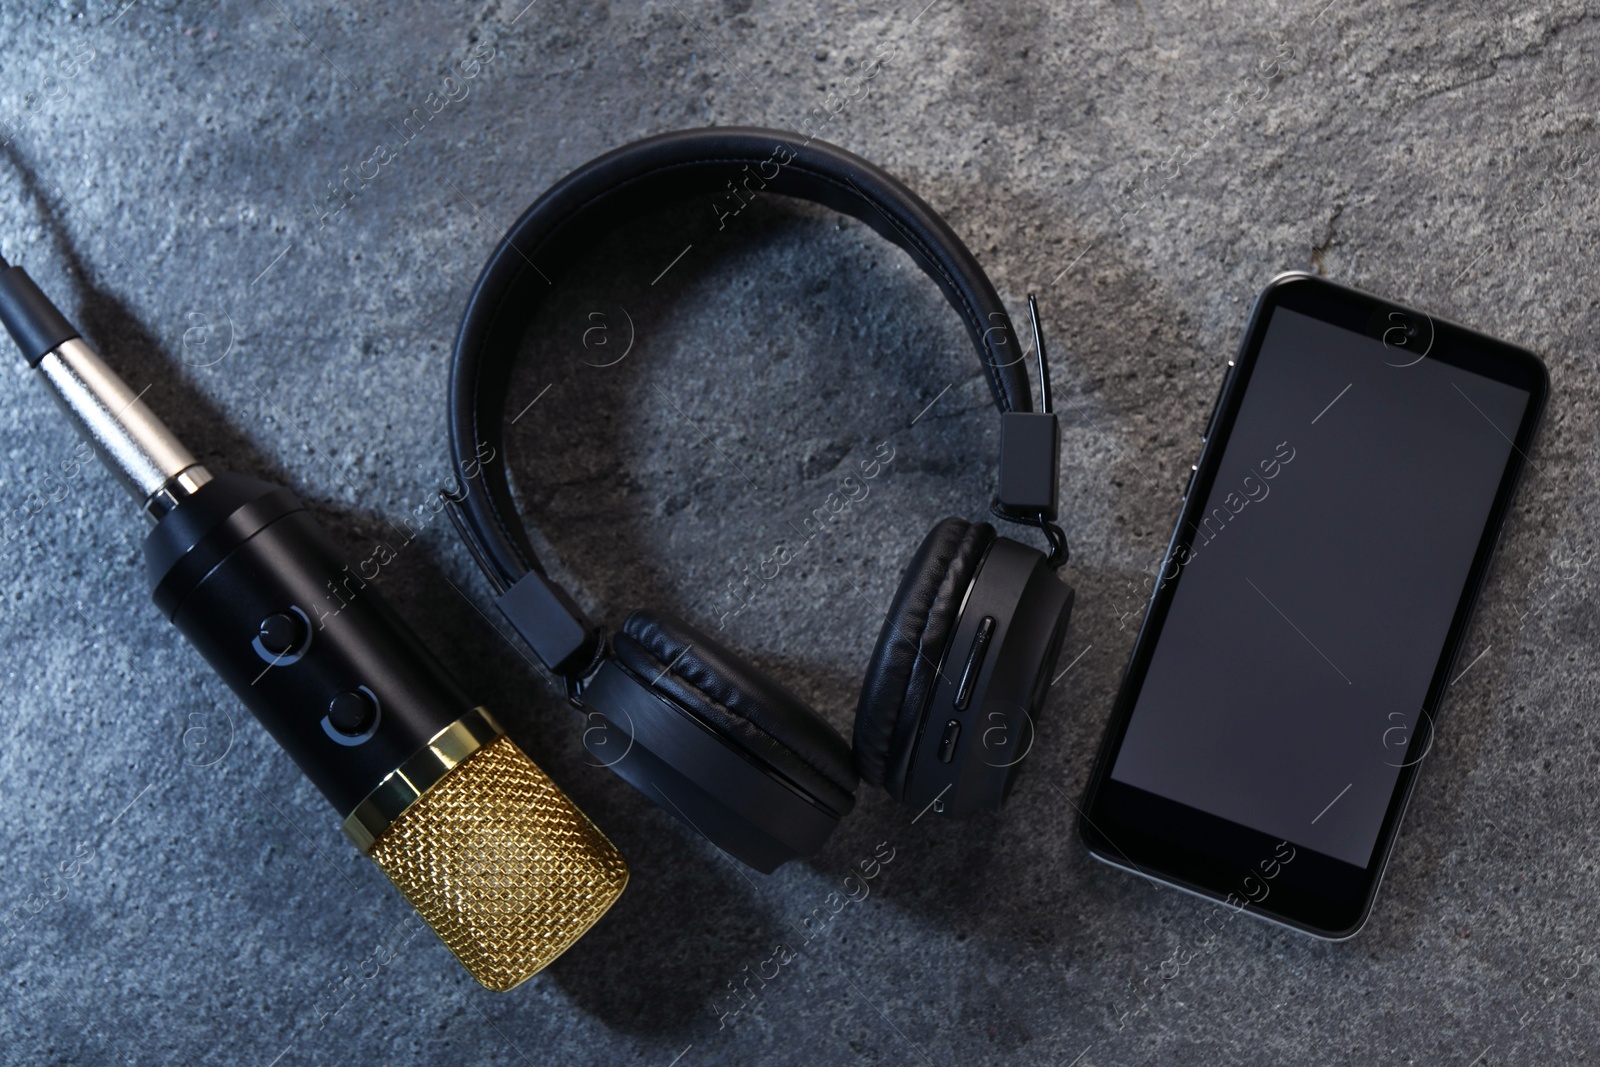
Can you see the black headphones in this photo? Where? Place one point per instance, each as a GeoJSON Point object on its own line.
{"type": "Point", "coordinates": [971, 640]}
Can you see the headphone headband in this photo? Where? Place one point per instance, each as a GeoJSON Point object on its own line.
{"type": "Point", "coordinates": [610, 191]}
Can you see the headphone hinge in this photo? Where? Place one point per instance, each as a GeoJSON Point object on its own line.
{"type": "Point", "coordinates": [551, 624]}
{"type": "Point", "coordinates": [577, 683]}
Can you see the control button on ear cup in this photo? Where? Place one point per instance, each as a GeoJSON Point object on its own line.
{"type": "Point", "coordinates": [969, 673]}
{"type": "Point", "coordinates": [743, 705]}
{"type": "Point", "coordinates": [947, 742]}
{"type": "Point", "coordinates": [965, 759]}
{"type": "Point", "coordinates": [902, 673]}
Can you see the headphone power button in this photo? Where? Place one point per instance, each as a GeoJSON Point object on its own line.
{"type": "Point", "coordinates": [947, 743]}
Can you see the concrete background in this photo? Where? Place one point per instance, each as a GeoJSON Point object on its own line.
{"type": "Point", "coordinates": [173, 890]}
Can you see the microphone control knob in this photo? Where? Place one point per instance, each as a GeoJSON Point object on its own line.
{"type": "Point", "coordinates": [351, 713]}
{"type": "Point", "coordinates": [280, 634]}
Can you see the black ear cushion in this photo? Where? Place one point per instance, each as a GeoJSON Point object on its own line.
{"type": "Point", "coordinates": [902, 672]}
{"type": "Point", "coordinates": [742, 704]}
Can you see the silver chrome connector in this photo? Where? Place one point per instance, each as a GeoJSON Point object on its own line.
{"type": "Point", "coordinates": [133, 443]}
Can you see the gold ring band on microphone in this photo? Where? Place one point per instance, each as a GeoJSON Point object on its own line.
{"type": "Point", "coordinates": [444, 752]}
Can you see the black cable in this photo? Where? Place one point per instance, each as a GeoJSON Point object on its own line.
{"type": "Point", "coordinates": [29, 317]}
{"type": "Point", "coordinates": [1060, 552]}
{"type": "Point", "coordinates": [1045, 401]}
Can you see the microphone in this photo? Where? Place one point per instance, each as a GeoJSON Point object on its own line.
{"type": "Point", "coordinates": [476, 837]}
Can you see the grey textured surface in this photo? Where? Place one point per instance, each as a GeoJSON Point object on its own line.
{"type": "Point", "coordinates": [175, 892]}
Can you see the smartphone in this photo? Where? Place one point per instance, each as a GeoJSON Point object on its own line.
{"type": "Point", "coordinates": [1306, 618]}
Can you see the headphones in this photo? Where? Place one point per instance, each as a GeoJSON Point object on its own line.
{"type": "Point", "coordinates": [971, 638]}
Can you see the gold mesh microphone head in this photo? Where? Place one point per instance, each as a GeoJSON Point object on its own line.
{"type": "Point", "coordinates": [494, 857]}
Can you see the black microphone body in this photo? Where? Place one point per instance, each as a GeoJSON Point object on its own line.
{"type": "Point", "coordinates": [309, 646]}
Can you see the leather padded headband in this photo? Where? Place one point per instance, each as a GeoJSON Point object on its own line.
{"type": "Point", "coordinates": [625, 183]}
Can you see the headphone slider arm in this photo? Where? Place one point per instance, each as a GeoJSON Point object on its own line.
{"type": "Point", "coordinates": [1030, 444]}
{"type": "Point", "coordinates": [1030, 462]}
{"type": "Point", "coordinates": [551, 624]}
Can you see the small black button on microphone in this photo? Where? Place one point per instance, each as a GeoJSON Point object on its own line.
{"type": "Point", "coordinates": [280, 634]}
{"type": "Point", "coordinates": [352, 713]}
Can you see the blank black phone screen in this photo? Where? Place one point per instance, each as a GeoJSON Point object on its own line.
{"type": "Point", "coordinates": [1312, 605]}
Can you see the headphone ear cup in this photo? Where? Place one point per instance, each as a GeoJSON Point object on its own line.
{"type": "Point", "coordinates": [741, 704]}
{"type": "Point", "coordinates": [904, 666]}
